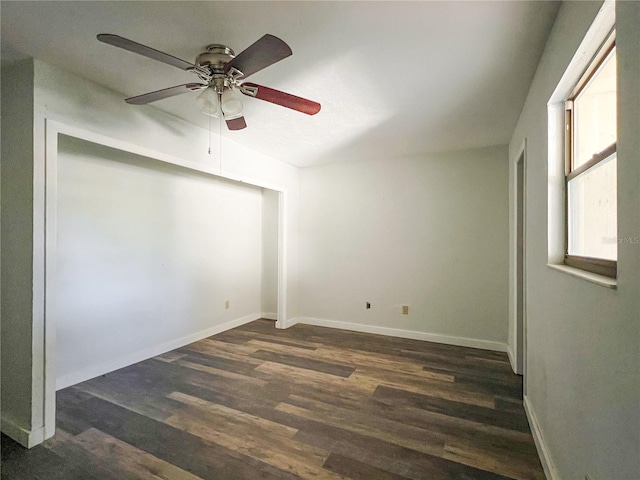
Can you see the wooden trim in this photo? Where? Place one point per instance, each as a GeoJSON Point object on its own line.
{"type": "Point", "coordinates": [608, 268]}
{"type": "Point", "coordinates": [595, 160]}
{"type": "Point", "coordinates": [568, 136]}
{"type": "Point", "coordinates": [596, 278]}
{"type": "Point", "coordinates": [594, 64]}
{"type": "Point", "coordinates": [568, 160]}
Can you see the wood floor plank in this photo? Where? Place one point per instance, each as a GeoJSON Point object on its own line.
{"type": "Point", "coordinates": [215, 345]}
{"type": "Point", "coordinates": [221, 363]}
{"type": "Point", "coordinates": [379, 361]}
{"type": "Point", "coordinates": [512, 405]}
{"type": "Point", "coordinates": [230, 416]}
{"type": "Point", "coordinates": [214, 351]}
{"type": "Point", "coordinates": [364, 452]}
{"type": "Point", "coordinates": [270, 346]}
{"type": "Point", "coordinates": [112, 454]}
{"type": "Point", "coordinates": [428, 387]}
{"type": "Point", "coordinates": [168, 377]}
{"type": "Point", "coordinates": [220, 372]}
{"type": "Point", "coordinates": [512, 465]}
{"type": "Point", "coordinates": [279, 451]}
{"type": "Point", "coordinates": [357, 470]}
{"type": "Point", "coordinates": [392, 458]}
{"type": "Point", "coordinates": [311, 377]}
{"type": "Point", "coordinates": [340, 370]}
{"type": "Point", "coordinates": [273, 338]}
{"type": "Point", "coordinates": [451, 426]}
{"type": "Point", "coordinates": [407, 436]}
{"type": "Point", "coordinates": [480, 414]}
{"type": "Point", "coordinates": [348, 396]}
{"type": "Point", "coordinates": [443, 469]}
{"type": "Point", "coordinates": [70, 423]}
{"type": "Point", "coordinates": [488, 387]}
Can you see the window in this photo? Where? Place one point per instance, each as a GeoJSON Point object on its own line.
{"type": "Point", "coordinates": [590, 173]}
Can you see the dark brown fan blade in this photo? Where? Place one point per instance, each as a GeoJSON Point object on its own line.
{"type": "Point", "coordinates": [140, 49]}
{"type": "Point", "coordinates": [164, 93]}
{"type": "Point", "coordinates": [280, 98]}
{"type": "Point", "coordinates": [236, 123]}
{"type": "Point", "coordinates": [266, 51]}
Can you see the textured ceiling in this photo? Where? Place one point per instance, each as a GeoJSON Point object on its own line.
{"type": "Point", "coordinates": [393, 78]}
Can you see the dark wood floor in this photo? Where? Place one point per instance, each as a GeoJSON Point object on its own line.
{"type": "Point", "coordinates": [307, 402]}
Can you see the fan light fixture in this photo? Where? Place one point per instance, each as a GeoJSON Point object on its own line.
{"type": "Point", "coordinates": [231, 106]}
{"type": "Point", "coordinates": [208, 102]}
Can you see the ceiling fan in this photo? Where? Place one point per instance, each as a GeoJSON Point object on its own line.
{"type": "Point", "coordinates": [220, 72]}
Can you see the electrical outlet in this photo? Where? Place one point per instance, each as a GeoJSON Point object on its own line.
{"type": "Point", "coordinates": [226, 304]}
{"type": "Point", "coordinates": [368, 306]}
{"type": "Point", "coordinates": [405, 309]}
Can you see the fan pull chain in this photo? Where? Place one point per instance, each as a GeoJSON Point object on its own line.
{"type": "Point", "coordinates": [220, 142]}
{"type": "Point", "coordinates": [209, 134]}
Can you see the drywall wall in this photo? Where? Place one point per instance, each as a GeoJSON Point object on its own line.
{"type": "Point", "coordinates": [17, 246]}
{"type": "Point", "coordinates": [428, 232]}
{"type": "Point", "coordinates": [147, 254]}
{"type": "Point", "coordinates": [269, 253]}
{"type": "Point", "coordinates": [582, 365]}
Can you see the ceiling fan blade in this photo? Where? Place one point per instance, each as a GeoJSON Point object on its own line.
{"type": "Point", "coordinates": [164, 93]}
{"type": "Point", "coordinates": [118, 41]}
{"type": "Point", "coordinates": [280, 98]}
{"type": "Point", "coordinates": [236, 123]}
{"type": "Point", "coordinates": [264, 52]}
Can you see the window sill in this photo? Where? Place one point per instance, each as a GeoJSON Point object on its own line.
{"type": "Point", "coordinates": [601, 280]}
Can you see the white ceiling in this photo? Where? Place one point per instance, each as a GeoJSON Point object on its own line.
{"type": "Point", "coordinates": [394, 78]}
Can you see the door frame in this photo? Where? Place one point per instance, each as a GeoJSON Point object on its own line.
{"type": "Point", "coordinates": [519, 256]}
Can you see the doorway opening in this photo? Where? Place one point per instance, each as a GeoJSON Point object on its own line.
{"type": "Point", "coordinates": [246, 192]}
{"type": "Point", "coordinates": [269, 296]}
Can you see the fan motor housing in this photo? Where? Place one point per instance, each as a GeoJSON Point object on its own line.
{"type": "Point", "coordinates": [215, 57]}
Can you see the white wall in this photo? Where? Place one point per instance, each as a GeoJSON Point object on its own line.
{"type": "Point", "coordinates": [17, 246]}
{"type": "Point", "coordinates": [429, 232]}
{"type": "Point", "coordinates": [583, 355]}
{"type": "Point", "coordinates": [269, 253]}
{"type": "Point", "coordinates": [147, 254]}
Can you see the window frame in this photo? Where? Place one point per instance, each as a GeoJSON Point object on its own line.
{"type": "Point", "coordinates": [600, 266]}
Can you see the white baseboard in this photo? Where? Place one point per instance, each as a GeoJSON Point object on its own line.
{"type": "Point", "coordinates": [26, 438]}
{"type": "Point", "coordinates": [121, 362]}
{"type": "Point", "coordinates": [292, 321]}
{"type": "Point", "coordinates": [270, 316]}
{"type": "Point", "coordinates": [512, 359]}
{"type": "Point", "coordinates": [548, 466]}
{"type": "Point", "coordinates": [396, 332]}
